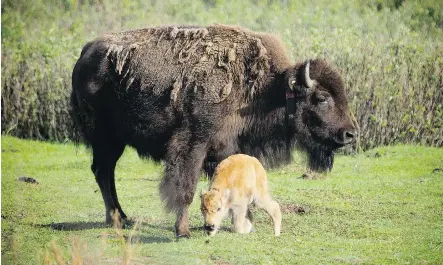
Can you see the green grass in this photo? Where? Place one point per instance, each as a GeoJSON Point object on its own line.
{"type": "Point", "coordinates": [383, 206]}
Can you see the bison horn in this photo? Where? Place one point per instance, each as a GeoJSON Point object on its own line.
{"type": "Point", "coordinates": [309, 82]}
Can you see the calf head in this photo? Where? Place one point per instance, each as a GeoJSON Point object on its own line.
{"type": "Point", "coordinates": [214, 207]}
{"type": "Point", "coordinates": [317, 112]}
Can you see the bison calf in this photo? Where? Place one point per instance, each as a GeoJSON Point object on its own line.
{"type": "Point", "coordinates": [239, 180]}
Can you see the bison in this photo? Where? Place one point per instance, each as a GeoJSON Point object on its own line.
{"type": "Point", "coordinates": [192, 96]}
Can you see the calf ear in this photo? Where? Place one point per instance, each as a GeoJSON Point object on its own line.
{"type": "Point", "coordinates": [227, 194]}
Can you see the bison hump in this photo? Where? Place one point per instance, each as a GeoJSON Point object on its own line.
{"type": "Point", "coordinates": [212, 62]}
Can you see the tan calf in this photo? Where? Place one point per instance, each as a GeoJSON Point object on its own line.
{"type": "Point", "coordinates": [238, 181]}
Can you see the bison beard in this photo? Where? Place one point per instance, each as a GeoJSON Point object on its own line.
{"type": "Point", "coordinates": [193, 96]}
{"type": "Point", "coordinates": [321, 160]}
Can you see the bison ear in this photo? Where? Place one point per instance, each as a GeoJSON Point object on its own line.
{"type": "Point", "coordinates": [295, 88]}
{"type": "Point", "coordinates": [292, 83]}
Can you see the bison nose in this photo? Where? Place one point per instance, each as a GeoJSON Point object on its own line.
{"type": "Point", "coordinates": [209, 227]}
{"type": "Point", "coordinates": [347, 136]}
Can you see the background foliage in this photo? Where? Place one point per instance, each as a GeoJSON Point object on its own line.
{"type": "Point", "coordinates": [389, 51]}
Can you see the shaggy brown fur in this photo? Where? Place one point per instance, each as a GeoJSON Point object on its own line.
{"type": "Point", "coordinates": [192, 96]}
{"type": "Point", "coordinates": [211, 62]}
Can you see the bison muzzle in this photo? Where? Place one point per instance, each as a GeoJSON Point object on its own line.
{"type": "Point", "coordinates": [192, 96]}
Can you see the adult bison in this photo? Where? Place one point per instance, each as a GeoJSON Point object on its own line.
{"type": "Point", "coordinates": [195, 95]}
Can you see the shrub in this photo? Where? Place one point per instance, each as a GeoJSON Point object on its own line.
{"type": "Point", "coordinates": [388, 51]}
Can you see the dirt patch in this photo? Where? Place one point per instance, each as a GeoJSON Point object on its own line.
{"type": "Point", "coordinates": [294, 208]}
{"type": "Point", "coordinates": [28, 180]}
{"type": "Point", "coordinates": [219, 261]}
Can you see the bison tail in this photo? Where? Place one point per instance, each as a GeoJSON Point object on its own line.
{"type": "Point", "coordinates": [83, 116]}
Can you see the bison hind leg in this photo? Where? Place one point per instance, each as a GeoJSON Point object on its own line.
{"type": "Point", "coordinates": [106, 151]}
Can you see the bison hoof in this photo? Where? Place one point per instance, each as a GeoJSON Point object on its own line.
{"type": "Point", "coordinates": [306, 176]}
{"type": "Point", "coordinates": [311, 176]}
{"type": "Point", "coordinates": [183, 234]}
{"type": "Point", "coordinates": [115, 220]}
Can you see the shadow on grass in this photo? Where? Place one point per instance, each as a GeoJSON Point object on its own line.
{"type": "Point", "coordinates": [154, 239]}
{"type": "Point", "coordinates": [149, 239]}
{"type": "Point", "coordinates": [79, 226]}
{"type": "Point", "coordinates": [169, 228]}
{"type": "Point", "coordinates": [75, 226]}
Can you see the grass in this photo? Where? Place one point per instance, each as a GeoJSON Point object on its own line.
{"type": "Point", "coordinates": [383, 206]}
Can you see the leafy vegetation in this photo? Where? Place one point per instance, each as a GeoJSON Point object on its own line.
{"type": "Point", "coordinates": [382, 206]}
{"type": "Point", "coordinates": [389, 52]}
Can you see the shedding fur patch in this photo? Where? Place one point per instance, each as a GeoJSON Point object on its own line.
{"type": "Point", "coordinates": [212, 62]}
{"type": "Point", "coordinates": [120, 55]}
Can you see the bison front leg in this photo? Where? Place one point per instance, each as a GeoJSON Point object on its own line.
{"type": "Point", "coordinates": [184, 162]}
{"type": "Point", "coordinates": [182, 222]}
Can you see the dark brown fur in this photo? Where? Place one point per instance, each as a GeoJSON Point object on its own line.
{"type": "Point", "coordinates": [192, 96]}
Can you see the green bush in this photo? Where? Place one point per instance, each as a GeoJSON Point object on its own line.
{"type": "Point", "coordinates": [390, 54]}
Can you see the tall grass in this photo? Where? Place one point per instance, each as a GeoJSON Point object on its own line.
{"type": "Point", "coordinates": [389, 52]}
{"type": "Point", "coordinates": [77, 252]}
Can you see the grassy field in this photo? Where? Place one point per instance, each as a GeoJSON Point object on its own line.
{"type": "Point", "coordinates": [383, 206]}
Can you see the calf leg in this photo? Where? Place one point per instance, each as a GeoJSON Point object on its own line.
{"type": "Point", "coordinates": [184, 161]}
{"type": "Point", "coordinates": [273, 209]}
{"type": "Point", "coordinates": [248, 218]}
{"type": "Point", "coordinates": [242, 224]}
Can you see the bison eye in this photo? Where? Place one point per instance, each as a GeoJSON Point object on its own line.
{"type": "Point", "coordinates": [322, 99]}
